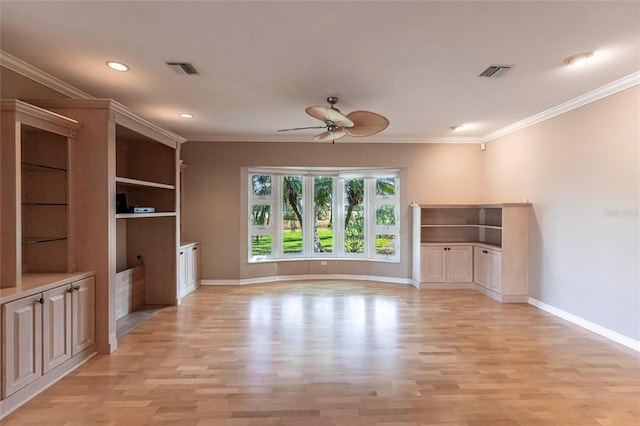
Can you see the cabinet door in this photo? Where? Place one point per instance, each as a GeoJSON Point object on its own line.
{"type": "Point", "coordinates": [479, 268]}
{"type": "Point", "coordinates": [494, 270]}
{"type": "Point", "coordinates": [83, 315]}
{"type": "Point", "coordinates": [182, 269]}
{"type": "Point", "coordinates": [196, 264]}
{"type": "Point", "coordinates": [22, 321]}
{"type": "Point", "coordinates": [433, 264]}
{"type": "Point", "coordinates": [56, 327]}
{"type": "Point", "coordinates": [460, 264]}
{"type": "Point", "coordinates": [189, 278]}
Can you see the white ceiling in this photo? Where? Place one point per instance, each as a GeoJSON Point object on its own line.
{"type": "Point", "coordinates": [261, 63]}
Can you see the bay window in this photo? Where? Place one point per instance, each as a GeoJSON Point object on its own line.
{"type": "Point", "coordinates": [323, 213]}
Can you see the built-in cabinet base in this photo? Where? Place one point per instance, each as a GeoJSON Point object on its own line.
{"type": "Point", "coordinates": [188, 267]}
{"type": "Point", "coordinates": [481, 246]}
{"type": "Point", "coordinates": [48, 328]}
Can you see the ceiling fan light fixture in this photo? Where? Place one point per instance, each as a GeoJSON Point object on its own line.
{"type": "Point", "coordinates": [457, 128]}
{"type": "Point", "coordinates": [118, 66]}
{"type": "Point", "coordinates": [337, 125]}
{"type": "Point", "coordinates": [578, 58]}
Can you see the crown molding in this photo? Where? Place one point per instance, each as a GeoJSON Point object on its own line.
{"type": "Point", "coordinates": [23, 68]}
{"type": "Point", "coordinates": [602, 92]}
{"type": "Point", "coordinates": [308, 138]}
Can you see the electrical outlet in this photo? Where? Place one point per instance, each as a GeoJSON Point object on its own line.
{"type": "Point", "coordinates": [323, 263]}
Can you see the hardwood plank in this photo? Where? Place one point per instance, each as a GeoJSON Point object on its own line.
{"type": "Point", "coordinates": [348, 353]}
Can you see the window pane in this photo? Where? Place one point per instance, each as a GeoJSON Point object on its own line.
{"type": "Point", "coordinates": [292, 214]}
{"type": "Point", "coordinates": [386, 245]}
{"type": "Point", "coordinates": [354, 216]}
{"type": "Point", "coordinates": [323, 214]}
{"type": "Point", "coordinates": [261, 245]}
{"type": "Point", "coordinates": [261, 185]}
{"type": "Point", "coordinates": [386, 215]}
{"type": "Point", "coordinates": [386, 186]}
{"type": "Point", "coordinates": [261, 215]}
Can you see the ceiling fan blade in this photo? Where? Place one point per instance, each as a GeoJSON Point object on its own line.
{"type": "Point", "coordinates": [328, 136]}
{"type": "Point", "coordinates": [323, 113]}
{"type": "Point", "coordinates": [302, 128]}
{"type": "Point", "coordinates": [366, 123]}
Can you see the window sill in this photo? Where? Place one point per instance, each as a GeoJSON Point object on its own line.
{"type": "Point", "coordinates": [321, 259]}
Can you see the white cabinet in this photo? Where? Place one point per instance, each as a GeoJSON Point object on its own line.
{"type": "Point", "coordinates": [447, 264]}
{"type": "Point", "coordinates": [22, 322]}
{"type": "Point", "coordinates": [189, 268]}
{"type": "Point", "coordinates": [83, 330]}
{"type": "Point", "coordinates": [488, 268]}
{"type": "Point", "coordinates": [56, 326]}
{"type": "Point", "coordinates": [44, 331]}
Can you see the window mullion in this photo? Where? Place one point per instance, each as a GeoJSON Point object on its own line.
{"type": "Point", "coordinates": [308, 210]}
{"type": "Point", "coordinates": [278, 226]}
{"type": "Point", "coordinates": [338, 225]}
{"type": "Point", "coordinates": [370, 215]}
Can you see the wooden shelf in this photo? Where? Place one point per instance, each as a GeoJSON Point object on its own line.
{"type": "Point", "coordinates": [43, 204]}
{"type": "Point", "coordinates": [41, 167]}
{"type": "Point", "coordinates": [463, 243]}
{"type": "Point", "coordinates": [37, 240]}
{"type": "Point", "coordinates": [461, 226]}
{"type": "Point", "coordinates": [142, 215]}
{"type": "Point", "coordinates": [143, 183]}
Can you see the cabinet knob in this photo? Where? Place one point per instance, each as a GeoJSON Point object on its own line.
{"type": "Point", "coordinates": [41, 301]}
{"type": "Point", "coordinates": [76, 288]}
{"type": "Point", "coordinates": [70, 290]}
{"type": "Point", "coordinates": [195, 248]}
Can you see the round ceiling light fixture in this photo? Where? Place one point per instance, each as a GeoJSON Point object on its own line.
{"type": "Point", "coordinates": [457, 127]}
{"type": "Point", "coordinates": [578, 58]}
{"type": "Point", "coordinates": [118, 66]}
{"type": "Point", "coordinates": [186, 115]}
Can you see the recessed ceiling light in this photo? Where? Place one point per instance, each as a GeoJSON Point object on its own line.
{"type": "Point", "coordinates": [118, 66]}
{"type": "Point", "coordinates": [457, 127]}
{"type": "Point", "coordinates": [578, 57]}
{"type": "Point", "coordinates": [186, 115]}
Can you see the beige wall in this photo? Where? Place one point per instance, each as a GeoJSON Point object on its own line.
{"type": "Point", "coordinates": [16, 86]}
{"type": "Point", "coordinates": [581, 172]}
{"type": "Point", "coordinates": [215, 200]}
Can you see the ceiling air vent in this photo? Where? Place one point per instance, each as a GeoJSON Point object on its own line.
{"type": "Point", "coordinates": [183, 68]}
{"type": "Point", "coordinates": [494, 71]}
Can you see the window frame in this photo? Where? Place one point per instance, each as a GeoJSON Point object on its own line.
{"type": "Point", "coordinates": [370, 203]}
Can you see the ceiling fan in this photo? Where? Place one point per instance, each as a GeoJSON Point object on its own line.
{"type": "Point", "coordinates": [337, 125]}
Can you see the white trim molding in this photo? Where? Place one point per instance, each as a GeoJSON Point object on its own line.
{"type": "Point", "coordinates": [309, 277]}
{"type": "Point", "coordinates": [598, 329]}
{"type": "Point", "coordinates": [21, 67]}
{"type": "Point", "coordinates": [602, 92]}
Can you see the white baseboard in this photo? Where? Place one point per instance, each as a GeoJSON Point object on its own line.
{"type": "Point", "coordinates": [280, 278]}
{"type": "Point", "coordinates": [598, 329]}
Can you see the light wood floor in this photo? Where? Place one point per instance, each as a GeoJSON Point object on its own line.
{"type": "Point", "coordinates": [348, 353]}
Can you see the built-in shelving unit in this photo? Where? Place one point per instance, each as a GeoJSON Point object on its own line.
{"type": "Point", "coordinates": [461, 223]}
{"type": "Point", "coordinates": [122, 153]}
{"type": "Point", "coordinates": [37, 196]}
{"type": "Point", "coordinates": [466, 245]}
